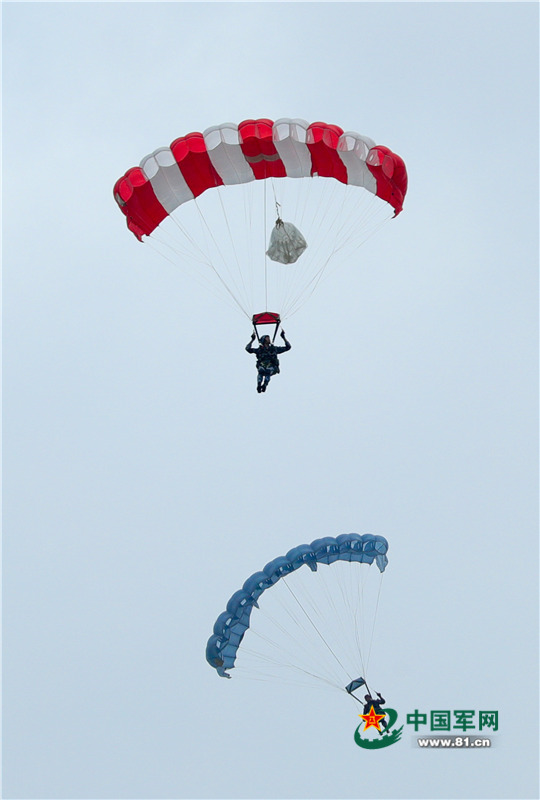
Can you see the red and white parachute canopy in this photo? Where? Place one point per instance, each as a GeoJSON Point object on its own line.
{"type": "Point", "coordinates": [254, 151]}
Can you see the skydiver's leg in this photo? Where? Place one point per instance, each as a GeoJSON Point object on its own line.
{"type": "Point", "coordinates": [379, 710]}
{"type": "Point", "coordinates": [268, 374]}
{"type": "Point", "coordinates": [264, 383]}
{"type": "Point", "coordinates": [260, 376]}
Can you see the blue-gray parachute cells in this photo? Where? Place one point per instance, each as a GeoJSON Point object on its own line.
{"type": "Point", "coordinates": [231, 625]}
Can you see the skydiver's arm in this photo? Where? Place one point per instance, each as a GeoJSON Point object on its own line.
{"type": "Point", "coordinates": [287, 344]}
{"type": "Point", "coordinates": [283, 349]}
{"type": "Point", "coordinates": [249, 347]}
{"type": "Point", "coordinates": [381, 698]}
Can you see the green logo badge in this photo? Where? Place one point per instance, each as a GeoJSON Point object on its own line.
{"type": "Point", "coordinates": [382, 738]}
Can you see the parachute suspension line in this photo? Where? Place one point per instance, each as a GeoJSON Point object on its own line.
{"type": "Point", "coordinates": [327, 579]}
{"type": "Point", "coordinates": [362, 602]}
{"type": "Point", "coordinates": [299, 197]}
{"type": "Point", "coordinates": [318, 622]}
{"type": "Point", "coordinates": [362, 215]}
{"type": "Point", "coordinates": [360, 629]}
{"type": "Point", "coordinates": [203, 258]}
{"type": "Point", "coordinates": [324, 216]}
{"type": "Point", "coordinates": [336, 221]}
{"type": "Point", "coordinates": [292, 650]}
{"type": "Point", "coordinates": [360, 621]}
{"type": "Point", "coordinates": [325, 207]}
{"type": "Point", "coordinates": [334, 582]}
{"type": "Point", "coordinates": [314, 626]}
{"type": "Point", "coordinates": [287, 650]}
{"type": "Point", "coordinates": [276, 274]}
{"type": "Point", "coordinates": [304, 295]}
{"type": "Point", "coordinates": [354, 574]}
{"type": "Point", "coordinates": [303, 643]}
{"type": "Point", "coordinates": [303, 612]}
{"type": "Point", "coordinates": [231, 239]}
{"type": "Point", "coordinates": [279, 645]}
{"type": "Point", "coordinates": [196, 275]}
{"type": "Point", "coordinates": [374, 619]}
{"type": "Point", "coordinates": [153, 240]}
{"type": "Point", "coordinates": [356, 616]}
{"type": "Point", "coordinates": [247, 240]}
{"type": "Point", "coordinates": [249, 196]}
{"type": "Point", "coordinates": [371, 233]}
{"type": "Point", "coordinates": [278, 205]}
{"type": "Point", "coordinates": [205, 224]}
{"type": "Point", "coordinates": [283, 274]}
{"type": "Point", "coordinates": [264, 251]}
{"type": "Point", "coordinates": [299, 203]}
{"type": "Point", "coordinates": [271, 676]}
{"type": "Point", "coordinates": [353, 593]}
{"type": "Point", "coordinates": [343, 222]}
{"type": "Point", "coordinates": [153, 247]}
{"type": "Point", "coordinates": [302, 299]}
{"type": "Point", "coordinates": [209, 237]}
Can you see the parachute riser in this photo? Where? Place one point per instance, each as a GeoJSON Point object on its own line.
{"type": "Point", "coordinates": [360, 701]}
{"type": "Point", "coordinates": [355, 697]}
{"type": "Point", "coordinates": [259, 338]}
{"type": "Point", "coordinates": [351, 691]}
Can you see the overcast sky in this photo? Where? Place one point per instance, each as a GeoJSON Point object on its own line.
{"type": "Point", "coordinates": [145, 479]}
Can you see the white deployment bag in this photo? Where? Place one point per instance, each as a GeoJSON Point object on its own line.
{"type": "Point", "coordinates": [286, 243]}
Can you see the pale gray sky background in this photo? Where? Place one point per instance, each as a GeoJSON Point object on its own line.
{"type": "Point", "coordinates": [135, 446]}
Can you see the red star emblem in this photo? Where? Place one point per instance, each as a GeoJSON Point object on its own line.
{"type": "Point", "coordinates": [372, 719]}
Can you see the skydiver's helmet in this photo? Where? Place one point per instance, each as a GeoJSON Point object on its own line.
{"type": "Point", "coordinates": [265, 340]}
{"type": "Point", "coordinates": [367, 698]}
